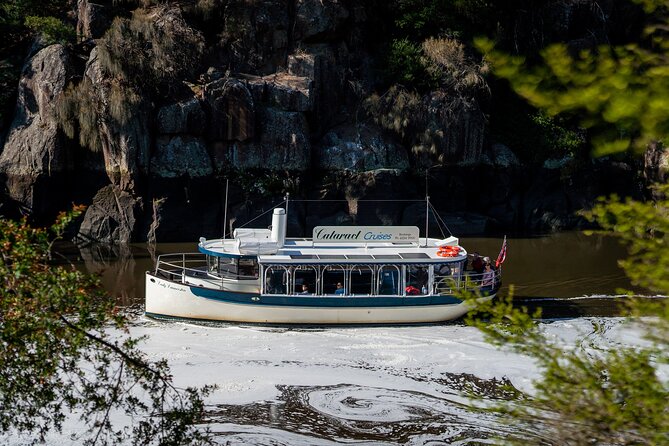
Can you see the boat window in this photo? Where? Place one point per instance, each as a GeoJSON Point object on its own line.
{"type": "Point", "coordinates": [212, 264]}
{"type": "Point", "coordinates": [248, 269]}
{"type": "Point", "coordinates": [305, 275]}
{"type": "Point", "coordinates": [276, 279]}
{"type": "Point", "coordinates": [228, 267]}
{"type": "Point", "coordinates": [389, 280]}
{"type": "Point", "coordinates": [362, 278]}
{"type": "Point", "coordinates": [417, 277]}
{"type": "Point", "coordinates": [332, 275]}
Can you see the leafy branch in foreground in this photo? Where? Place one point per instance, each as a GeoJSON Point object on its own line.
{"type": "Point", "coordinates": [66, 350]}
{"type": "Point", "coordinates": [589, 393]}
{"type": "Point", "coordinates": [618, 92]}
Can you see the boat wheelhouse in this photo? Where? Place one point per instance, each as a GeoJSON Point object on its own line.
{"type": "Point", "coordinates": [342, 275]}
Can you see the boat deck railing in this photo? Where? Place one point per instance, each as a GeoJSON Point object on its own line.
{"type": "Point", "coordinates": [177, 266]}
{"type": "Point", "coordinates": [180, 266]}
{"type": "Point", "coordinates": [468, 281]}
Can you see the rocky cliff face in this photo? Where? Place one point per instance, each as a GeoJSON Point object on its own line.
{"type": "Point", "coordinates": [270, 97]}
{"type": "Point", "coordinates": [35, 158]}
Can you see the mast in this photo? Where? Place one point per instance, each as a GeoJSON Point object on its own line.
{"type": "Point", "coordinates": [427, 217]}
{"type": "Point", "coordinates": [427, 205]}
{"type": "Point", "coordinates": [225, 212]}
{"type": "Point", "coordinates": [286, 198]}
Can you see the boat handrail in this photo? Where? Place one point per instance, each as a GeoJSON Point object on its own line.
{"type": "Point", "coordinates": [175, 264]}
{"type": "Point", "coordinates": [178, 261]}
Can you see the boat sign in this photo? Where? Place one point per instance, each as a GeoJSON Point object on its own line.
{"type": "Point", "coordinates": [365, 234]}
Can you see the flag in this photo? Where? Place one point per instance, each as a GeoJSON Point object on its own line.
{"type": "Point", "coordinates": [502, 254]}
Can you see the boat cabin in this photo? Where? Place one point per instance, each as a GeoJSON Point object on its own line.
{"type": "Point", "coordinates": [345, 261]}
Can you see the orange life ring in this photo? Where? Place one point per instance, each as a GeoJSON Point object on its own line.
{"type": "Point", "coordinates": [448, 251]}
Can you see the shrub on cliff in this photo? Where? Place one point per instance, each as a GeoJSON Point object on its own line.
{"type": "Point", "coordinates": [142, 59]}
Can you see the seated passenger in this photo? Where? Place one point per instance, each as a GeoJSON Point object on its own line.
{"type": "Point", "coordinates": [340, 289]}
{"type": "Point", "coordinates": [488, 281]}
{"type": "Point", "coordinates": [305, 289]}
{"type": "Point", "coordinates": [477, 263]}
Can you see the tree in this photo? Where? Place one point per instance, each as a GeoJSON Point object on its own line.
{"type": "Point", "coordinates": [600, 395]}
{"type": "Point", "coordinates": [620, 93]}
{"type": "Point", "coordinates": [65, 349]}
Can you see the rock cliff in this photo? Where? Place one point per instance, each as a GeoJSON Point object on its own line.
{"type": "Point", "coordinates": [175, 99]}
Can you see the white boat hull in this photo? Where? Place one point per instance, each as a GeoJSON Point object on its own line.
{"type": "Point", "coordinates": [165, 298]}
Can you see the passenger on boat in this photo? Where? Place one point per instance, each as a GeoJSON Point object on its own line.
{"type": "Point", "coordinates": [478, 263]}
{"type": "Point", "coordinates": [340, 289]}
{"type": "Point", "coordinates": [445, 270]}
{"type": "Point", "coordinates": [305, 289]}
{"type": "Point", "coordinates": [488, 280]}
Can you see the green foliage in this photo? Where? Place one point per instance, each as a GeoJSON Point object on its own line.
{"type": "Point", "coordinates": [644, 229]}
{"type": "Point", "coordinates": [595, 395]}
{"type": "Point", "coordinates": [65, 350]}
{"type": "Point", "coordinates": [619, 92]}
{"type": "Point", "coordinates": [51, 29]}
{"type": "Point", "coordinates": [14, 12]}
{"type": "Point", "coordinates": [405, 63]}
{"type": "Point", "coordinates": [600, 395]}
{"type": "Point", "coordinates": [265, 183]}
{"type": "Point", "coordinates": [429, 18]}
{"type": "Point", "coordinates": [556, 138]}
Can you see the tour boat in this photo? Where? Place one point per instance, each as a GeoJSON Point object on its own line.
{"type": "Point", "coordinates": [342, 275]}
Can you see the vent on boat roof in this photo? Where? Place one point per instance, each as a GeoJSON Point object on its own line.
{"type": "Point", "coordinates": [303, 257]}
{"type": "Point", "coordinates": [358, 257]}
{"type": "Point", "coordinates": [387, 257]}
{"type": "Point", "coordinates": [414, 255]}
{"type": "Point", "coordinates": [331, 257]}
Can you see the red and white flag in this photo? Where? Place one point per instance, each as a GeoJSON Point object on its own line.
{"type": "Point", "coordinates": [502, 254]}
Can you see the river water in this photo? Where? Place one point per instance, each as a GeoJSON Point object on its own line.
{"type": "Point", "coordinates": [378, 385]}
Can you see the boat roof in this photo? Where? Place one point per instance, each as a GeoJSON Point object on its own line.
{"type": "Point", "coordinates": [304, 250]}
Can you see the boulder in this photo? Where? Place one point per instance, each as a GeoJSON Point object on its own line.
{"type": "Point", "coordinates": [502, 156]}
{"type": "Point", "coordinates": [34, 154]}
{"type": "Point", "coordinates": [318, 19]}
{"type": "Point", "coordinates": [283, 91]}
{"type": "Point", "coordinates": [93, 19]}
{"type": "Point", "coordinates": [182, 117]}
{"type": "Point", "coordinates": [232, 110]}
{"type": "Point", "coordinates": [180, 156]}
{"type": "Point", "coordinates": [360, 148]}
{"type": "Point", "coordinates": [111, 218]}
{"type": "Point", "coordinates": [283, 144]}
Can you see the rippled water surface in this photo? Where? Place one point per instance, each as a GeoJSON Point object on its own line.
{"type": "Point", "coordinates": [377, 385]}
